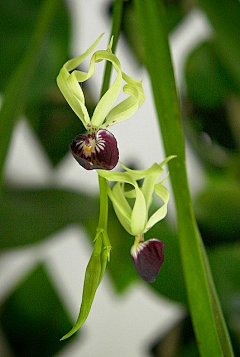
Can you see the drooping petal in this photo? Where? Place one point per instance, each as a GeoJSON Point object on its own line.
{"type": "Point", "coordinates": [68, 83]}
{"type": "Point", "coordinates": [148, 258]}
{"type": "Point", "coordinates": [96, 150]}
{"type": "Point", "coordinates": [129, 106]}
{"type": "Point", "coordinates": [157, 216]}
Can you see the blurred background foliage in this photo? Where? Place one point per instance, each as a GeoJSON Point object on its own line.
{"type": "Point", "coordinates": [211, 118]}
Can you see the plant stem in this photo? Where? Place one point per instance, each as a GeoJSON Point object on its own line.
{"type": "Point", "coordinates": [115, 31]}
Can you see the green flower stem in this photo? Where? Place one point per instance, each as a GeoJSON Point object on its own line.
{"type": "Point", "coordinates": [16, 94]}
{"type": "Point", "coordinates": [209, 325]}
{"type": "Point", "coordinates": [116, 26]}
{"type": "Point", "coordinates": [102, 224]}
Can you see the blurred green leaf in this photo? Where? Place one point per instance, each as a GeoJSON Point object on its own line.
{"type": "Point", "coordinates": [202, 298]}
{"type": "Point", "coordinates": [33, 318]}
{"type": "Point", "coordinates": [208, 82]}
{"type": "Point", "coordinates": [217, 210]}
{"type": "Point", "coordinates": [175, 12]}
{"type": "Point", "coordinates": [225, 265]}
{"type": "Point", "coordinates": [27, 216]}
{"type": "Point", "coordinates": [170, 281]}
{"type": "Point", "coordinates": [17, 22]}
{"type": "Point", "coordinates": [181, 339]}
{"type": "Point", "coordinates": [55, 124]}
{"type": "Point", "coordinates": [18, 88]}
{"type": "Point", "coordinates": [225, 17]}
{"type": "Point", "coordinates": [121, 268]}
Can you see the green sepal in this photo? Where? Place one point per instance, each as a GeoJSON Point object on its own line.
{"type": "Point", "coordinates": [92, 279]}
{"type": "Point", "coordinates": [135, 219]}
{"type": "Point", "coordinates": [68, 82]}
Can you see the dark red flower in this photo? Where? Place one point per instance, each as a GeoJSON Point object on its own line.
{"type": "Point", "coordinates": [96, 150]}
{"type": "Point", "coordinates": [148, 258]}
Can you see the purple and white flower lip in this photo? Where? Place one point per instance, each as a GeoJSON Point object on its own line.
{"type": "Point", "coordinates": [148, 258]}
{"type": "Point", "coordinates": [96, 150]}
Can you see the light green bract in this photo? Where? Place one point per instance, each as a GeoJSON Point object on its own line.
{"type": "Point", "coordinates": [104, 115]}
{"type": "Point", "coordinates": [135, 218]}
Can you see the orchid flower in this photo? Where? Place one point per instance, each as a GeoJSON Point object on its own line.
{"type": "Point", "coordinates": [148, 255]}
{"type": "Point", "coordinates": [97, 149]}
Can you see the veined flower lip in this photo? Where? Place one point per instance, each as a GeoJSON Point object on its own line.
{"type": "Point", "coordinates": [96, 150]}
{"type": "Point", "coordinates": [148, 258]}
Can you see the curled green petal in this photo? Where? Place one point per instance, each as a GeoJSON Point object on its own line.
{"type": "Point", "coordinates": [69, 84]}
{"type": "Point", "coordinates": [121, 209]}
{"type": "Point", "coordinates": [163, 193]}
{"type": "Point", "coordinates": [140, 174]}
{"type": "Point", "coordinates": [129, 106]}
{"type": "Point", "coordinates": [139, 213]}
{"type": "Point", "coordinates": [106, 102]}
{"type": "Point", "coordinates": [117, 176]}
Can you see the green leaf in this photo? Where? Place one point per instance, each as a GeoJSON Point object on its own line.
{"type": "Point", "coordinates": [208, 83]}
{"type": "Point", "coordinates": [19, 85]}
{"type": "Point", "coordinates": [224, 17]}
{"type": "Point", "coordinates": [225, 265]}
{"type": "Point", "coordinates": [170, 281]}
{"type": "Point", "coordinates": [17, 23]}
{"type": "Point", "coordinates": [55, 124]}
{"type": "Point", "coordinates": [121, 268]}
{"type": "Point", "coordinates": [201, 293]}
{"type": "Point", "coordinates": [161, 212]}
{"type": "Point", "coordinates": [28, 216]}
{"type": "Point", "coordinates": [33, 318]}
{"type": "Point", "coordinates": [217, 209]}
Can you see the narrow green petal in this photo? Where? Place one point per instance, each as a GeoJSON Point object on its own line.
{"type": "Point", "coordinates": [163, 193]}
{"type": "Point", "coordinates": [129, 106]}
{"type": "Point", "coordinates": [69, 84]}
{"type": "Point", "coordinates": [117, 176]}
{"type": "Point", "coordinates": [140, 174]}
{"type": "Point", "coordinates": [75, 62]}
{"type": "Point", "coordinates": [148, 187]}
{"type": "Point", "coordinates": [139, 213]}
{"type": "Point", "coordinates": [120, 195]}
{"type": "Point", "coordinates": [122, 214]}
{"type": "Point", "coordinates": [108, 99]}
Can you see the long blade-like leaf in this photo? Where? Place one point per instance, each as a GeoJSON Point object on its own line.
{"type": "Point", "coordinates": [153, 27]}
{"type": "Point", "coordinates": [16, 93]}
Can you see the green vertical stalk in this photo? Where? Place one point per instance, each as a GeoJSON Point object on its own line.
{"type": "Point", "coordinates": [209, 325]}
{"type": "Point", "coordinates": [115, 31]}
{"type": "Point", "coordinates": [16, 94]}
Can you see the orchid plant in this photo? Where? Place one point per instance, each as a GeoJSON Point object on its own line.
{"type": "Point", "coordinates": [97, 149]}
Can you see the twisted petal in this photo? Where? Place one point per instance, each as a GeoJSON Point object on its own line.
{"type": "Point", "coordinates": [96, 150]}
{"type": "Point", "coordinates": [148, 258]}
{"type": "Point", "coordinates": [69, 85]}
{"type": "Point", "coordinates": [70, 88]}
{"type": "Point", "coordinates": [129, 106]}
{"type": "Point", "coordinates": [163, 193]}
